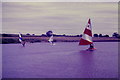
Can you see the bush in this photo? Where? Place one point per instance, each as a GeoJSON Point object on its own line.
{"type": "Point", "coordinates": [5, 41]}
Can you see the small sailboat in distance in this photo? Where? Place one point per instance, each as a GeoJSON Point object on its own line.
{"type": "Point", "coordinates": [86, 38]}
{"type": "Point", "coordinates": [20, 37]}
{"type": "Point", "coordinates": [51, 41]}
{"type": "Point", "coordinates": [21, 40]}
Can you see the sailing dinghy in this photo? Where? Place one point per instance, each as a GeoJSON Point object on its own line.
{"type": "Point", "coordinates": [51, 40]}
{"type": "Point", "coordinates": [86, 38]}
{"type": "Point", "coordinates": [20, 37]}
{"type": "Point", "coordinates": [21, 40]}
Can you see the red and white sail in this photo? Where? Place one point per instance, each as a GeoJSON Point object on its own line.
{"type": "Point", "coordinates": [86, 38]}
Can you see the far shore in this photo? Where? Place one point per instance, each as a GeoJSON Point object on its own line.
{"type": "Point", "coordinates": [6, 40]}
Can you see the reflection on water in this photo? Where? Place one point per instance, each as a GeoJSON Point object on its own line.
{"type": "Point", "coordinates": [87, 63]}
{"type": "Point", "coordinates": [86, 52]}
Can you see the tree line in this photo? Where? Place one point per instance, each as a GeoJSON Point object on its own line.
{"type": "Point", "coordinates": [49, 33]}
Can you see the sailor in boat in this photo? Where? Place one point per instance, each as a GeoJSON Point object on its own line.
{"type": "Point", "coordinates": [91, 47]}
{"type": "Point", "coordinates": [86, 38]}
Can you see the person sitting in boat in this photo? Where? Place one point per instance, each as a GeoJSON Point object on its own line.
{"type": "Point", "coordinates": [91, 46]}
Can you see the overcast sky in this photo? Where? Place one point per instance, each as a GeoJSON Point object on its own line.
{"type": "Point", "coordinates": [60, 17]}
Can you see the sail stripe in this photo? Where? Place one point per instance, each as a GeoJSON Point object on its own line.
{"type": "Point", "coordinates": [20, 37]}
{"type": "Point", "coordinates": [89, 21]}
{"type": "Point", "coordinates": [88, 32]}
{"type": "Point", "coordinates": [87, 37]}
{"type": "Point", "coordinates": [84, 42]}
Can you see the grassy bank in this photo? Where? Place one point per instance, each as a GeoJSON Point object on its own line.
{"type": "Point", "coordinates": [6, 40]}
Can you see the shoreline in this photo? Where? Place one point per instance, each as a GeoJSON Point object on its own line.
{"type": "Point", "coordinates": [8, 40]}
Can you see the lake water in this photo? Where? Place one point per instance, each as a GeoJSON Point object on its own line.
{"type": "Point", "coordinates": [63, 60]}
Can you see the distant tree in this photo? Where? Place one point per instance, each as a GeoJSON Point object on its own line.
{"type": "Point", "coordinates": [118, 36]}
{"type": "Point", "coordinates": [95, 35]}
{"type": "Point", "coordinates": [5, 35]}
{"type": "Point", "coordinates": [81, 35]}
{"type": "Point", "coordinates": [77, 35]}
{"type": "Point", "coordinates": [115, 34]}
{"type": "Point", "coordinates": [27, 34]}
{"type": "Point", "coordinates": [63, 35]}
{"type": "Point", "coordinates": [33, 34]}
{"type": "Point", "coordinates": [44, 35]}
{"type": "Point", "coordinates": [49, 33]}
{"type": "Point", "coordinates": [106, 35]}
{"type": "Point", "coordinates": [100, 35]}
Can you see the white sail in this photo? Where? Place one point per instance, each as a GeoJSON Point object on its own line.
{"type": "Point", "coordinates": [51, 40]}
{"type": "Point", "coordinates": [21, 40]}
{"type": "Point", "coordinates": [20, 37]}
{"type": "Point", "coordinates": [20, 34]}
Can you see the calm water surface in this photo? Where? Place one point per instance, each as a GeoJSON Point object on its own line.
{"type": "Point", "coordinates": [63, 60]}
